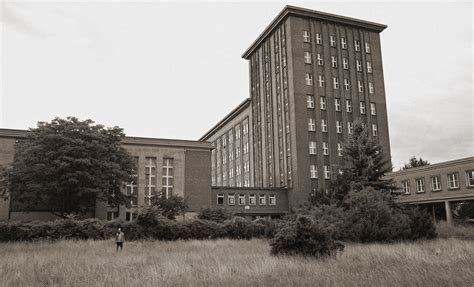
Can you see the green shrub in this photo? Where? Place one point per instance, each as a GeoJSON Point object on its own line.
{"type": "Point", "coordinates": [421, 224]}
{"type": "Point", "coordinates": [332, 218]}
{"type": "Point", "coordinates": [215, 214]}
{"type": "Point", "coordinates": [304, 236]}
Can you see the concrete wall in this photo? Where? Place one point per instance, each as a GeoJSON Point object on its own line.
{"type": "Point", "coordinates": [197, 180]}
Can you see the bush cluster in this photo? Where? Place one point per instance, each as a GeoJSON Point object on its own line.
{"type": "Point", "coordinates": [150, 224]}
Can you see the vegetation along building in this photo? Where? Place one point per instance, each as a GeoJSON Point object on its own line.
{"type": "Point", "coordinates": [312, 74]}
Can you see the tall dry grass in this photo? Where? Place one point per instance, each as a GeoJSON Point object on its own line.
{"type": "Point", "coordinates": [442, 262]}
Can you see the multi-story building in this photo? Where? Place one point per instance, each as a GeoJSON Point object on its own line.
{"type": "Point", "coordinates": [312, 75]}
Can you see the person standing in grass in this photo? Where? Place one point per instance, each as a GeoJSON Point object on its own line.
{"type": "Point", "coordinates": [119, 239]}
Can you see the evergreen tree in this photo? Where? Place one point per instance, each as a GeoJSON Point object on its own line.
{"type": "Point", "coordinates": [364, 165]}
{"type": "Point", "coordinates": [65, 165]}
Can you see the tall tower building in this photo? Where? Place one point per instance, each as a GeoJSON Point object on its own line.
{"type": "Point", "coordinates": [312, 75]}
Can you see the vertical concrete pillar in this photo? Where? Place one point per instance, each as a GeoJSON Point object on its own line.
{"type": "Point", "coordinates": [449, 214]}
{"type": "Point", "coordinates": [433, 213]}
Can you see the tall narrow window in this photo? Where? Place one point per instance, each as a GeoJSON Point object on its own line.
{"type": "Point", "coordinates": [313, 171]}
{"type": "Point", "coordinates": [272, 199]}
{"type": "Point", "coordinates": [346, 84]}
{"type": "Point", "coordinates": [339, 149]}
{"type": "Point", "coordinates": [309, 79]}
{"type": "Point", "coordinates": [132, 187]}
{"type": "Point", "coordinates": [335, 83]}
{"type": "Point", "coordinates": [167, 177]}
{"type": "Point", "coordinates": [325, 148]}
{"type": "Point", "coordinates": [319, 39]}
{"type": "Point", "coordinates": [312, 147]}
{"type": "Point", "coordinates": [306, 37]}
{"type": "Point", "coordinates": [320, 60]}
{"type": "Point", "coordinates": [360, 86]}
{"type": "Point", "coordinates": [310, 102]}
{"type": "Point", "coordinates": [350, 127]}
{"type": "Point", "coordinates": [406, 186]}
{"type": "Point", "coordinates": [262, 199]}
{"type": "Point", "coordinates": [307, 57]}
{"type": "Point", "coordinates": [326, 172]}
{"type": "Point", "coordinates": [241, 199]}
{"type": "Point", "coordinates": [371, 88]}
{"type": "Point", "coordinates": [345, 63]}
{"type": "Point", "coordinates": [420, 185]}
{"type": "Point", "coordinates": [252, 199]}
{"type": "Point", "coordinates": [374, 130]}
{"type": "Point", "coordinates": [332, 40]}
{"type": "Point", "coordinates": [231, 199]}
{"type": "Point", "coordinates": [321, 80]}
{"type": "Point", "coordinates": [453, 180]}
{"type": "Point", "coordinates": [367, 47]}
{"type": "Point", "coordinates": [373, 110]}
{"type": "Point", "coordinates": [435, 183]}
{"type": "Point", "coordinates": [322, 103]}
{"type": "Point", "coordinates": [362, 108]}
{"type": "Point", "coordinates": [324, 125]}
{"type": "Point", "coordinates": [339, 127]}
{"type": "Point", "coordinates": [220, 199]}
{"type": "Point", "coordinates": [357, 45]}
{"type": "Point", "coordinates": [470, 178]}
{"type": "Point", "coordinates": [369, 67]}
{"type": "Point", "coordinates": [311, 125]}
{"type": "Point", "coordinates": [334, 61]}
{"type": "Point", "coordinates": [150, 179]}
{"type": "Point", "coordinates": [349, 106]}
{"type": "Point", "coordinates": [343, 43]}
{"type": "Point", "coordinates": [337, 105]}
{"type": "Point", "coordinates": [358, 66]}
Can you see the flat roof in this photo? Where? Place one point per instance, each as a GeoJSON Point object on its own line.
{"type": "Point", "coordinates": [15, 133]}
{"type": "Point", "coordinates": [241, 107]}
{"type": "Point", "coordinates": [430, 166]}
{"type": "Point", "coordinates": [308, 13]}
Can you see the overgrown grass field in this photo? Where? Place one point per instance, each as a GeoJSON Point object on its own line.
{"type": "Point", "coordinates": [440, 262]}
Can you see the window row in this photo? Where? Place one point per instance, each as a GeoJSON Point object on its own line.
{"type": "Point", "coordinates": [333, 41]}
{"type": "Point", "coordinates": [324, 127]}
{"type": "Point", "coordinates": [435, 182]}
{"type": "Point", "coordinates": [313, 171]}
{"type": "Point", "coordinates": [325, 148]}
{"type": "Point", "coordinates": [308, 59]}
{"type": "Point", "coordinates": [242, 199]}
{"type": "Point", "coordinates": [337, 105]}
{"type": "Point", "coordinates": [335, 83]}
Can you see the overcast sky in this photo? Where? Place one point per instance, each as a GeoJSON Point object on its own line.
{"type": "Point", "coordinates": [173, 70]}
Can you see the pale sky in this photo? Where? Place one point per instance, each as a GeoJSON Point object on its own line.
{"type": "Point", "coordinates": [173, 69]}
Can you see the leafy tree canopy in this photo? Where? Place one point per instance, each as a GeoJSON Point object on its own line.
{"type": "Point", "coordinates": [170, 206]}
{"type": "Point", "coordinates": [66, 164]}
{"type": "Point", "coordinates": [414, 162]}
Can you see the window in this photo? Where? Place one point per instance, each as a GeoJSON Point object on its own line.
{"type": "Point", "coordinates": [369, 67]}
{"type": "Point", "coordinates": [343, 43]}
{"type": "Point", "coordinates": [307, 57]}
{"type": "Point", "coordinates": [246, 183]}
{"type": "Point", "coordinates": [339, 127]}
{"type": "Point", "coordinates": [367, 47]}
{"type": "Point", "coordinates": [325, 148]}
{"type": "Point", "coordinates": [360, 86]}
{"type": "Point", "coordinates": [272, 199]}
{"type": "Point", "coordinates": [406, 186]}
{"type": "Point", "coordinates": [241, 199]}
{"type": "Point", "coordinates": [374, 130]}
{"type": "Point", "coordinates": [349, 106]}
{"type": "Point", "coordinates": [321, 80]}
{"type": "Point", "coordinates": [112, 215]}
{"type": "Point", "coordinates": [320, 60]}
{"type": "Point", "coordinates": [231, 199]}
{"type": "Point", "coordinates": [371, 88]}
{"type": "Point", "coordinates": [319, 40]}
{"type": "Point", "coordinates": [334, 61]}
{"type": "Point", "coordinates": [220, 199]}
{"type": "Point", "coordinates": [312, 147]}
{"type": "Point", "coordinates": [322, 102]}
{"type": "Point", "coordinates": [420, 185]}
{"type": "Point", "coordinates": [246, 128]}
{"type": "Point", "coordinates": [324, 126]}
{"type": "Point", "coordinates": [246, 148]}
{"type": "Point", "coordinates": [132, 187]}
{"type": "Point", "coordinates": [130, 216]}
{"type": "Point", "coordinates": [313, 171]}
{"type": "Point", "coordinates": [309, 79]}
{"type": "Point", "coordinates": [252, 199]}
{"type": "Point", "coordinates": [335, 83]}
{"type": "Point", "coordinates": [350, 127]}
{"type": "Point", "coordinates": [167, 177]}
{"type": "Point", "coordinates": [435, 183]}
{"type": "Point", "coordinates": [470, 178]}
{"type": "Point", "coordinates": [345, 63]}
{"type": "Point", "coordinates": [358, 66]}
{"type": "Point", "coordinates": [362, 108]}
{"type": "Point", "coordinates": [238, 170]}
{"type": "Point", "coordinates": [262, 199]}
{"type": "Point", "coordinates": [326, 172]}
{"type": "Point", "coordinates": [357, 45]}
{"type": "Point", "coordinates": [311, 125]}
{"type": "Point", "coordinates": [346, 84]}
{"type": "Point", "coordinates": [332, 40]}
{"type": "Point", "coordinates": [306, 37]}
{"type": "Point", "coordinates": [339, 149]}
{"type": "Point", "coordinates": [246, 166]}
{"type": "Point", "coordinates": [310, 102]}
{"type": "Point", "coordinates": [453, 180]}
{"type": "Point", "coordinates": [337, 105]}
{"type": "Point", "coordinates": [373, 110]}
{"type": "Point", "coordinates": [150, 179]}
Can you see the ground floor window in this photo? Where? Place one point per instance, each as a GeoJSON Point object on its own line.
{"type": "Point", "coordinates": [112, 215]}
{"type": "Point", "coordinates": [272, 199]}
{"type": "Point", "coordinates": [252, 199]}
{"type": "Point", "coordinates": [130, 216]}
{"type": "Point", "coordinates": [262, 199]}
{"type": "Point", "coordinates": [231, 199]}
{"type": "Point", "coordinates": [220, 199]}
{"type": "Point", "coordinates": [241, 199]}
